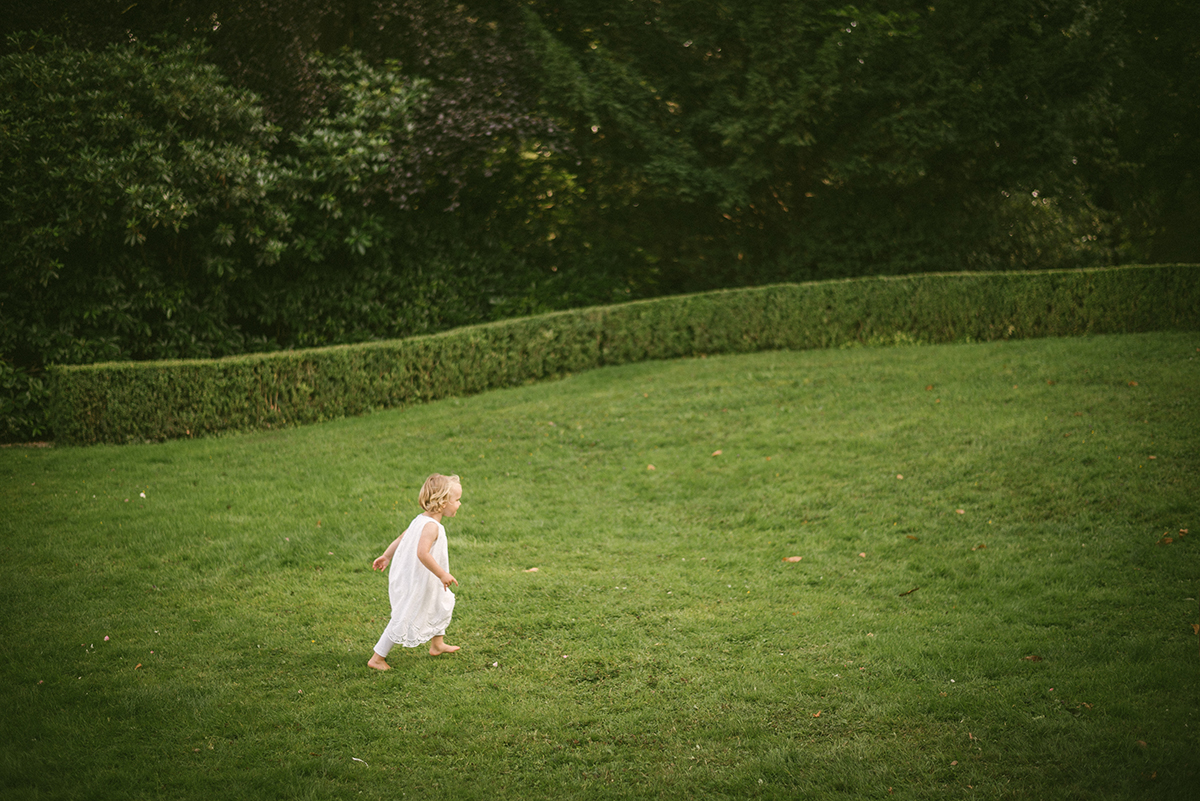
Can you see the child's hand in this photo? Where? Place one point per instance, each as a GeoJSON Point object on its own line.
{"type": "Point", "coordinates": [448, 580]}
{"type": "Point", "coordinates": [380, 563]}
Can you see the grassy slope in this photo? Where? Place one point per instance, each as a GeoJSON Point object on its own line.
{"type": "Point", "coordinates": [662, 649]}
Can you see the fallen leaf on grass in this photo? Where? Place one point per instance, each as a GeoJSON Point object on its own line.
{"type": "Point", "coordinates": [532, 570]}
{"type": "Point", "coordinates": [816, 714]}
{"type": "Point", "coordinates": [1032, 658]}
{"type": "Point", "coordinates": [138, 665]}
{"type": "Point", "coordinates": [979, 547]}
{"type": "Point", "coordinates": [1196, 628]}
{"type": "Point", "coordinates": [716, 453]}
{"type": "Point", "coordinates": [792, 558]}
{"type": "Point", "coordinates": [910, 536]}
{"type": "Point", "coordinates": [1183, 531]}
{"type": "Point", "coordinates": [651, 467]}
{"type": "Point", "coordinates": [863, 555]}
{"type": "Point", "coordinates": [960, 511]}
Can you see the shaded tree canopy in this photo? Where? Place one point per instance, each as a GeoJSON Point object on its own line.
{"type": "Point", "coordinates": [473, 58]}
{"type": "Point", "coordinates": [819, 139]}
{"type": "Point", "coordinates": [733, 110]}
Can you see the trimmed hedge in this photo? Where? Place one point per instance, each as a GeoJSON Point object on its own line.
{"type": "Point", "coordinates": [125, 402]}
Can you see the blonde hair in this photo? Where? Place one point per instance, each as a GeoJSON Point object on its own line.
{"type": "Point", "coordinates": [435, 493]}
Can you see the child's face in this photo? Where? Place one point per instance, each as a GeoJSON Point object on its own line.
{"type": "Point", "coordinates": [454, 502]}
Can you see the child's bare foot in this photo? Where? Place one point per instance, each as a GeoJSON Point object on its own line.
{"type": "Point", "coordinates": [437, 647]}
{"type": "Point", "coordinates": [378, 662]}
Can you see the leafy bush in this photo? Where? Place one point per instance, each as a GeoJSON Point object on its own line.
{"type": "Point", "coordinates": [162, 400]}
{"type": "Point", "coordinates": [370, 257]}
{"type": "Point", "coordinates": [152, 213]}
{"type": "Point", "coordinates": [136, 193]}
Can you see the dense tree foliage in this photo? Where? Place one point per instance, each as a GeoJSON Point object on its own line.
{"type": "Point", "coordinates": [479, 77]}
{"type": "Point", "coordinates": [812, 140]}
{"type": "Point", "coordinates": [135, 198]}
{"type": "Point", "coordinates": [202, 177]}
{"type": "Point", "coordinates": [152, 212]}
{"type": "Point", "coordinates": [1147, 171]}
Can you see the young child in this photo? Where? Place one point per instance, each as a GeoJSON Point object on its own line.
{"type": "Point", "coordinates": [419, 580]}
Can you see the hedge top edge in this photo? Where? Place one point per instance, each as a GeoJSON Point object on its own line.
{"type": "Point", "coordinates": [594, 311]}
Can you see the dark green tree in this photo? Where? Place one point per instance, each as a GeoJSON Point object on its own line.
{"type": "Point", "coordinates": [136, 200]}
{"type": "Point", "coordinates": [1146, 173]}
{"type": "Point", "coordinates": [154, 212]}
{"type": "Point", "coordinates": [737, 142]}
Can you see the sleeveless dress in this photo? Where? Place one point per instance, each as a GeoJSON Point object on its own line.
{"type": "Point", "coordinates": [421, 606]}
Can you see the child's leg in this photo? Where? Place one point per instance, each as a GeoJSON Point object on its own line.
{"type": "Point", "coordinates": [437, 647]}
{"type": "Point", "coordinates": [378, 659]}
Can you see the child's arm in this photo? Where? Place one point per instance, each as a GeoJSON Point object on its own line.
{"type": "Point", "coordinates": [429, 536]}
{"type": "Point", "coordinates": [382, 561]}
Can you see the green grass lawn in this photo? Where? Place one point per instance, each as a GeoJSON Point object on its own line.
{"type": "Point", "coordinates": [987, 605]}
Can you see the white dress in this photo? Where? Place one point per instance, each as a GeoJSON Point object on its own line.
{"type": "Point", "coordinates": [421, 606]}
